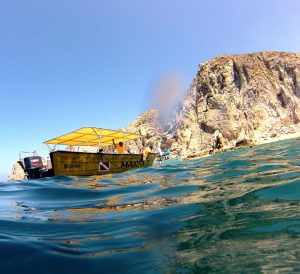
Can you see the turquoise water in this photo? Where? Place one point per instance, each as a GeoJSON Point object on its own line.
{"type": "Point", "coordinates": [235, 212]}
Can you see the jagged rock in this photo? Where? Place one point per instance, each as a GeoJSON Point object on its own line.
{"type": "Point", "coordinates": [17, 173]}
{"type": "Point", "coordinates": [250, 97]}
{"type": "Point", "coordinates": [148, 125]}
{"type": "Point", "coordinates": [234, 101]}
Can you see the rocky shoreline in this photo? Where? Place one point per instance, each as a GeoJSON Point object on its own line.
{"type": "Point", "coordinates": [147, 124]}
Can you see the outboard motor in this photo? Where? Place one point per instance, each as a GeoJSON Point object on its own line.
{"type": "Point", "coordinates": [33, 166]}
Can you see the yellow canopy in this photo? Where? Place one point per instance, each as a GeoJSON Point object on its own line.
{"type": "Point", "coordinates": [92, 136]}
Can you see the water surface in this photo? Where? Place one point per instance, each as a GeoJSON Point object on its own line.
{"type": "Point", "coordinates": [235, 212]}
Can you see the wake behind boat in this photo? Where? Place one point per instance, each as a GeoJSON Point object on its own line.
{"type": "Point", "coordinates": [77, 163]}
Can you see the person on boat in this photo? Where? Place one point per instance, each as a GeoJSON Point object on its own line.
{"type": "Point", "coordinates": [161, 155]}
{"type": "Point", "coordinates": [146, 152]}
{"type": "Point", "coordinates": [120, 147]}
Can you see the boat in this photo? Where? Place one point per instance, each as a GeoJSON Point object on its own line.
{"type": "Point", "coordinates": [79, 163]}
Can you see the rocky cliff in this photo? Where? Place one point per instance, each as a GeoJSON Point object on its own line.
{"type": "Point", "coordinates": [234, 100]}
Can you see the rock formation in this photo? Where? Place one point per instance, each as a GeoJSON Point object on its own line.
{"type": "Point", "coordinates": [236, 100]}
{"type": "Point", "coordinates": [17, 173]}
{"type": "Point", "coordinates": [149, 126]}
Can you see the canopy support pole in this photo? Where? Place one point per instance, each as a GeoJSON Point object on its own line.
{"type": "Point", "coordinates": [51, 149]}
{"type": "Point", "coordinates": [99, 137]}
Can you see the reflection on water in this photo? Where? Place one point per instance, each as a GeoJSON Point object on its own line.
{"type": "Point", "coordinates": [232, 212]}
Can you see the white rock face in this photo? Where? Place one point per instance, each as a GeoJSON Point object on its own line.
{"type": "Point", "coordinates": [149, 126]}
{"type": "Point", "coordinates": [17, 173]}
{"type": "Point", "coordinates": [233, 100]}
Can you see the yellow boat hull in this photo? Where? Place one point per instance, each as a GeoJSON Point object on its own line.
{"type": "Point", "coordinates": [69, 163]}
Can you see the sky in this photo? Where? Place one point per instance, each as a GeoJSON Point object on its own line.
{"type": "Point", "coordinates": [65, 64]}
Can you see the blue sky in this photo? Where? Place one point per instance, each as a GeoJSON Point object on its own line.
{"type": "Point", "coordinates": [72, 63]}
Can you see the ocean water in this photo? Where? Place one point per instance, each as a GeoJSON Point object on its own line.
{"type": "Point", "coordinates": [235, 212]}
